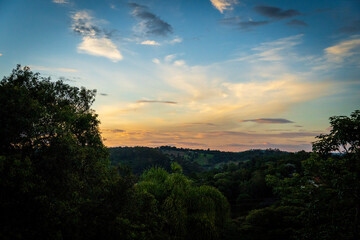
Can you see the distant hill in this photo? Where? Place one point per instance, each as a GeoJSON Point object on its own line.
{"type": "Point", "coordinates": [191, 160]}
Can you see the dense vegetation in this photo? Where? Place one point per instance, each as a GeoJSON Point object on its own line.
{"type": "Point", "coordinates": [58, 180]}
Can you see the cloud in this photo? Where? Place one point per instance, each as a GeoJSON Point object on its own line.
{"type": "Point", "coordinates": [95, 41]}
{"type": "Point", "coordinates": [353, 27]}
{"type": "Point", "coordinates": [179, 63]}
{"type": "Point", "coordinates": [113, 130]}
{"type": "Point", "coordinates": [222, 5]}
{"type": "Point", "coordinates": [262, 135]}
{"type": "Point", "coordinates": [345, 49]}
{"type": "Point", "coordinates": [296, 22]}
{"type": "Point", "coordinates": [266, 145]}
{"type": "Point", "coordinates": [150, 42]}
{"type": "Point", "coordinates": [150, 24]}
{"type": "Point", "coordinates": [277, 50]}
{"type": "Point", "coordinates": [0, 54]}
{"type": "Point", "coordinates": [61, 1]}
{"type": "Point", "coordinates": [190, 144]}
{"type": "Point", "coordinates": [156, 61]}
{"type": "Point", "coordinates": [170, 57]}
{"type": "Point", "coordinates": [275, 12]}
{"type": "Point", "coordinates": [85, 25]}
{"type": "Point", "coordinates": [176, 40]}
{"type": "Point", "coordinates": [104, 94]}
{"type": "Point", "coordinates": [201, 123]}
{"type": "Point", "coordinates": [249, 24]}
{"type": "Point", "coordinates": [224, 140]}
{"type": "Point", "coordinates": [117, 130]}
{"type": "Point", "coordinates": [155, 101]}
{"type": "Point", "coordinates": [268, 120]}
{"type": "Point", "coordinates": [102, 47]}
{"type": "Point", "coordinates": [52, 69]}
{"type": "Point", "coordinates": [217, 94]}
{"type": "Point", "coordinates": [244, 25]}
{"type": "Point", "coordinates": [231, 20]}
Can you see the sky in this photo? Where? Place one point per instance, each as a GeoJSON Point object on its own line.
{"type": "Point", "coordinates": [227, 75]}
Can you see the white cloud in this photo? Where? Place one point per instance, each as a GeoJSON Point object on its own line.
{"type": "Point", "coordinates": [345, 52]}
{"type": "Point", "coordinates": [179, 63]}
{"type": "Point", "coordinates": [276, 50]}
{"type": "Point", "coordinates": [84, 24]}
{"type": "Point", "coordinates": [176, 40]}
{"type": "Point", "coordinates": [170, 57]}
{"type": "Point", "coordinates": [52, 69]}
{"type": "Point", "coordinates": [150, 42]}
{"type": "Point", "coordinates": [94, 39]}
{"type": "Point", "coordinates": [339, 52]}
{"type": "Point", "coordinates": [102, 47]}
{"type": "Point", "coordinates": [60, 1]}
{"type": "Point", "coordinates": [156, 61]}
{"type": "Point", "coordinates": [222, 5]}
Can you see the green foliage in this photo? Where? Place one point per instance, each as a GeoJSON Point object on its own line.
{"type": "Point", "coordinates": [328, 190]}
{"type": "Point", "coordinates": [271, 223]}
{"type": "Point", "coordinates": [55, 179]}
{"type": "Point", "coordinates": [187, 211]}
{"type": "Point", "coordinates": [139, 159]}
{"type": "Point", "coordinates": [344, 135]}
{"type": "Point", "coordinates": [176, 168]}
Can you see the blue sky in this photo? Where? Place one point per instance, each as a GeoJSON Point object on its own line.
{"type": "Point", "coordinates": [220, 74]}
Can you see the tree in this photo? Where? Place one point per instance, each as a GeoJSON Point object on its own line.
{"type": "Point", "coordinates": [344, 136]}
{"type": "Point", "coordinates": [328, 191]}
{"type": "Point", "coordinates": [184, 211]}
{"type": "Point", "coordinates": [54, 169]}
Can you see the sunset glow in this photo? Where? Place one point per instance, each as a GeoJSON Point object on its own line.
{"type": "Point", "coordinates": [219, 74]}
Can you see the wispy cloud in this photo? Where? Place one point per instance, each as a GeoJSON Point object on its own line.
{"type": "Point", "coordinates": [276, 50]}
{"type": "Point", "coordinates": [170, 57]}
{"type": "Point", "coordinates": [102, 47]}
{"type": "Point", "coordinates": [345, 52]}
{"type": "Point", "coordinates": [223, 5]}
{"type": "Point", "coordinates": [224, 140]}
{"type": "Point", "coordinates": [52, 69]}
{"type": "Point", "coordinates": [61, 1]}
{"type": "Point", "coordinates": [296, 22]}
{"type": "Point", "coordinates": [84, 24]}
{"type": "Point", "coordinates": [241, 24]}
{"type": "Point", "coordinates": [175, 40]}
{"type": "Point", "coordinates": [216, 94]}
{"type": "Point", "coordinates": [200, 123]}
{"type": "Point", "coordinates": [353, 27]}
{"type": "Point", "coordinates": [275, 12]}
{"type": "Point", "coordinates": [149, 24]}
{"type": "Point", "coordinates": [95, 41]}
{"type": "Point", "coordinates": [150, 42]}
{"type": "Point", "coordinates": [113, 130]}
{"type": "Point", "coordinates": [249, 24]}
{"type": "Point", "coordinates": [268, 120]}
{"type": "Point", "coordinates": [345, 49]}
{"type": "Point", "coordinates": [266, 145]}
{"type": "Point", "coordinates": [155, 101]}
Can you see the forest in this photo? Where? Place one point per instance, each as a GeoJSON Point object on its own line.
{"type": "Point", "coordinates": [59, 181]}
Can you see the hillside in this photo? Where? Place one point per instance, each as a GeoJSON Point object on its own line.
{"type": "Point", "coordinates": [139, 159]}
